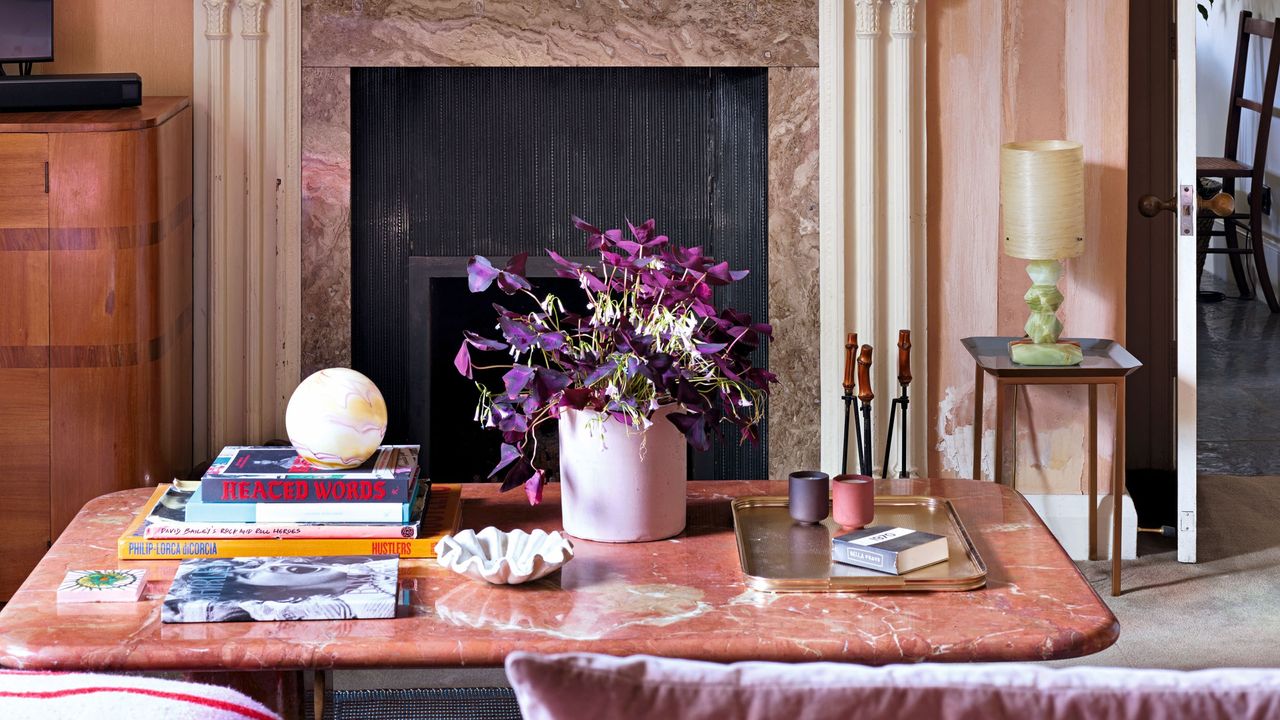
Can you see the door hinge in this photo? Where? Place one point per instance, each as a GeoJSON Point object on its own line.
{"type": "Point", "coordinates": [46, 178]}
{"type": "Point", "coordinates": [1187, 521]}
{"type": "Point", "coordinates": [1173, 41]}
{"type": "Point", "coordinates": [1173, 358]}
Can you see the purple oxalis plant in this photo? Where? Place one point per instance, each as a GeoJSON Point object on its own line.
{"type": "Point", "coordinates": [653, 337]}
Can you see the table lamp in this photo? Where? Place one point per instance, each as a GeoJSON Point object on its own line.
{"type": "Point", "coordinates": [1042, 194]}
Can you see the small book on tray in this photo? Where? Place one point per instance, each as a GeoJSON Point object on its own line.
{"type": "Point", "coordinates": [282, 588]}
{"type": "Point", "coordinates": [889, 549]}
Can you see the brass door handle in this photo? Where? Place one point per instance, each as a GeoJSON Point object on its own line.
{"type": "Point", "coordinates": [1221, 205]}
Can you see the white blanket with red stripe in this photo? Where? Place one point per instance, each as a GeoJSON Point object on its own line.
{"type": "Point", "coordinates": [85, 696]}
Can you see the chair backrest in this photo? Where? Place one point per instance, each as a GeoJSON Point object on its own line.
{"type": "Point", "coordinates": [1251, 27]}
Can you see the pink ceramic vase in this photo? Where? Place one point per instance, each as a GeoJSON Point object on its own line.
{"type": "Point", "coordinates": [620, 485]}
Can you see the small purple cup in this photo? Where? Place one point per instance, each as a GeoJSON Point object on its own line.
{"type": "Point", "coordinates": [809, 496]}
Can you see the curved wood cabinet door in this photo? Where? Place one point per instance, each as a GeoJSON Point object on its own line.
{"type": "Point", "coordinates": [95, 333]}
{"type": "Point", "coordinates": [24, 357]}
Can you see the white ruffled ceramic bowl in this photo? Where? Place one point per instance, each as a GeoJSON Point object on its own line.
{"type": "Point", "coordinates": [504, 558]}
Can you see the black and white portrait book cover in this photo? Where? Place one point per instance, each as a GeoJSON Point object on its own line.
{"type": "Point", "coordinates": [282, 588]}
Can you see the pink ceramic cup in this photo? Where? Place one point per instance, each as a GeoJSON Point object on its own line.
{"type": "Point", "coordinates": [853, 500]}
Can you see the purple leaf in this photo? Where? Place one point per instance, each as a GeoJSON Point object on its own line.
{"type": "Point", "coordinates": [533, 487]}
{"type": "Point", "coordinates": [517, 379]}
{"type": "Point", "coordinates": [506, 455]}
{"type": "Point", "coordinates": [483, 343]}
{"type": "Point", "coordinates": [600, 372]}
{"type": "Point", "coordinates": [510, 283]}
{"type": "Point", "coordinates": [519, 334]}
{"type": "Point", "coordinates": [553, 341]}
{"type": "Point", "coordinates": [585, 226]}
{"type": "Point", "coordinates": [480, 273]}
{"type": "Point", "coordinates": [547, 383]}
{"type": "Point", "coordinates": [562, 261]}
{"type": "Point", "coordinates": [578, 399]}
{"type": "Point", "coordinates": [643, 232]}
{"type": "Point", "coordinates": [694, 427]}
{"type": "Point", "coordinates": [722, 275]}
{"type": "Point", "coordinates": [516, 264]}
{"type": "Point", "coordinates": [517, 474]}
{"type": "Point", "coordinates": [510, 420]}
{"type": "Point", "coordinates": [594, 283]}
{"type": "Point", "coordinates": [462, 361]}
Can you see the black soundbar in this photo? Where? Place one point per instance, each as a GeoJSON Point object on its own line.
{"type": "Point", "coordinates": [70, 92]}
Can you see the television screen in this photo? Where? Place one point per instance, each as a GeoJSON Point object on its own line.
{"type": "Point", "coordinates": [26, 30]}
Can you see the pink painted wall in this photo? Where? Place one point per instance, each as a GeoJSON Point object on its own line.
{"type": "Point", "coordinates": [1002, 70]}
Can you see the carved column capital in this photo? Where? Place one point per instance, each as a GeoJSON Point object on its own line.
{"type": "Point", "coordinates": [253, 18]}
{"type": "Point", "coordinates": [866, 15]}
{"type": "Point", "coordinates": [902, 18]}
{"type": "Point", "coordinates": [217, 19]}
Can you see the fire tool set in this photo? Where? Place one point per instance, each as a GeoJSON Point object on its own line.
{"type": "Point", "coordinates": [862, 426]}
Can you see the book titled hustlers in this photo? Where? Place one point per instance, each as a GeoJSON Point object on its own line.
{"type": "Point", "coordinates": [282, 588]}
{"type": "Point", "coordinates": [279, 475]}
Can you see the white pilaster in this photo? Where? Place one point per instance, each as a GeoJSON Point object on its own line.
{"type": "Point", "coordinates": [902, 286]}
{"type": "Point", "coordinates": [259, 318]}
{"type": "Point", "coordinates": [221, 400]}
{"type": "Point", "coordinates": [247, 130]}
{"type": "Point", "coordinates": [834, 320]}
{"type": "Point", "coordinates": [868, 241]}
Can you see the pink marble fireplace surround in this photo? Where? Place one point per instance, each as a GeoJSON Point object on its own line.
{"type": "Point", "coordinates": [781, 35]}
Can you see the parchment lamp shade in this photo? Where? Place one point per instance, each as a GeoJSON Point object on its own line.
{"type": "Point", "coordinates": [1042, 196]}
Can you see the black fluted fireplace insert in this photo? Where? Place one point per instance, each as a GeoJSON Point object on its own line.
{"type": "Point", "coordinates": [452, 162]}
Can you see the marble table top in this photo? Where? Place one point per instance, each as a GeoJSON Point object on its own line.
{"type": "Point", "coordinates": [681, 597]}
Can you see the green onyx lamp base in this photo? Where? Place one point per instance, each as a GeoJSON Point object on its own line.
{"type": "Point", "coordinates": [1025, 352]}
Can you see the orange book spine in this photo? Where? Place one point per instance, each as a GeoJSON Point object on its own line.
{"type": "Point", "coordinates": [442, 516]}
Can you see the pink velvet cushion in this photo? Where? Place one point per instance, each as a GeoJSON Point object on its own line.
{"type": "Point", "coordinates": [572, 686]}
{"type": "Point", "coordinates": [87, 696]}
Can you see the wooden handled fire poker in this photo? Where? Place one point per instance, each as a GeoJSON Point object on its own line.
{"type": "Point", "coordinates": [850, 361]}
{"type": "Point", "coordinates": [904, 380]}
{"type": "Point", "coordinates": [865, 396]}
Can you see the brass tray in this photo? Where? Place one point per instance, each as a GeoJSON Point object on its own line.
{"type": "Point", "coordinates": [781, 555]}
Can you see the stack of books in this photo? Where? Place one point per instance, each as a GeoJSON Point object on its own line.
{"type": "Point", "coordinates": [268, 501]}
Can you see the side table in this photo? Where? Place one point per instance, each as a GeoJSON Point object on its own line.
{"type": "Point", "coordinates": [1106, 362]}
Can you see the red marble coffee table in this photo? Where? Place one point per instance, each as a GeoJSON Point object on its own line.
{"type": "Point", "coordinates": [682, 597]}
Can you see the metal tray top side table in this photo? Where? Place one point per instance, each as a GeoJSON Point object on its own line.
{"type": "Point", "coordinates": [1106, 362]}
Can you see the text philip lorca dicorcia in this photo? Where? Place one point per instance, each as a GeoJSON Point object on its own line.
{"type": "Point", "coordinates": [324, 491]}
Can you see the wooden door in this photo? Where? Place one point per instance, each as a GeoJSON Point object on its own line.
{"type": "Point", "coordinates": [1149, 325]}
{"type": "Point", "coordinates": [24, 356]}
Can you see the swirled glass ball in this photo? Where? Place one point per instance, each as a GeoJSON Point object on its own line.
{"type": "Point", "coordinates": [336, 418]}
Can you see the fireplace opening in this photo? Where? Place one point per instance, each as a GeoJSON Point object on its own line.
{"type": "Point", "coordinates": [451, 162]}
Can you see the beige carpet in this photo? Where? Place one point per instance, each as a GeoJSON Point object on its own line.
{"type": "Point", "coordinates": [1223, 611]}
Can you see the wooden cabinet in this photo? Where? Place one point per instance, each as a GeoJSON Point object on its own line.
{"type": "Point", "coordinates": [95, 314]}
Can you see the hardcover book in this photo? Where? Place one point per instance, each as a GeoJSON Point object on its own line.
{"type": "Point", "coordinates": [282, 588]}
{"type": "Point", "coordinates": [440, 517]}
{"type": "Point", "coordinates": [169, 520]}
{"type": "Point", "coordinates": [200, 510]}
{"type": "Point", "coordinates": [102, 586]}
{"type": "Point", "coordinates": [889, 549]}
{"type": "Point", "coordinates": [278, 475]}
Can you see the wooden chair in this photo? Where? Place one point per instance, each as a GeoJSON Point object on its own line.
{"type": "Point", "coordinates": [1229, 167]}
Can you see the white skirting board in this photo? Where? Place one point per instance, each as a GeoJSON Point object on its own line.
{"type": "Point", "coordinates": [1068, 519]}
